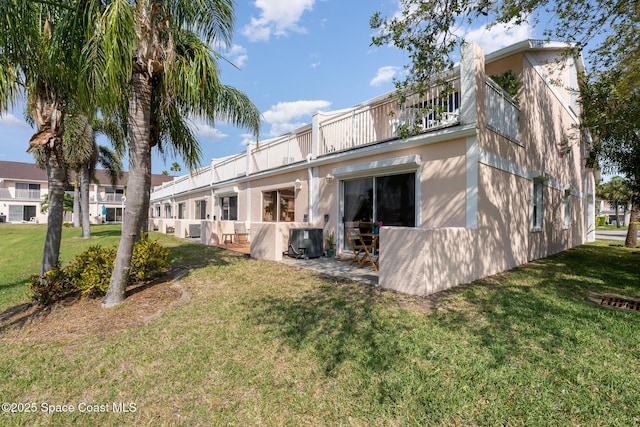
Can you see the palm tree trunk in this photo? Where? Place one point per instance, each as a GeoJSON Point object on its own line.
{"type": "Point", "coordinates": [143, 226]}
{"type": "Point", "coordinates": [139, 185]}
{"type": "Point", "coordinates": [76, 202]}
{"type": "Point", "coordinates": [84, 200]}
{"type": "Point", "coordinates": [56, 174]}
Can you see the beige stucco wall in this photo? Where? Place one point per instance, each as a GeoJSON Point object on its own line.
{"type": "Point", "coordinates": [270, 239]}
{"type": "Point", "coordinates": [425, 261]}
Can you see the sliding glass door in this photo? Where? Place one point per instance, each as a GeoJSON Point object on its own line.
{"type": "Point", "coordinates": [390, 199]}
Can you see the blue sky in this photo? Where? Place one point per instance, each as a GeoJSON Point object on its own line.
{"type": "Point", "coordinates": [295, 57]}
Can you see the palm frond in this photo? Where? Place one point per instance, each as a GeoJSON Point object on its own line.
{"type": "Point", "coordinates": [111, 163]}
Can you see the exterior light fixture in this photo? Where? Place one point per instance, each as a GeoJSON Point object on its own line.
{"type": "Point", "coordinates": [298, 184]}
{"type": "Point", "coordinates": [329, 178]}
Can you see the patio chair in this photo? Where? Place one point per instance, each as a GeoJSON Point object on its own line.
{"type": "Point", "coordinates": [241, 231]}
{"type": "Point", "coordinates": [357, 246]}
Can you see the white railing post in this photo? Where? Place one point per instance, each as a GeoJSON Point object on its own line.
{"type": "Point", "coordinates": [471, 81]}
{"type": "Point", "coordinates": [315, 135]}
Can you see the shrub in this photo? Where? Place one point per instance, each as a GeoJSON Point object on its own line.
{"type": "Point", "coordinates": [149, 259]}
{"type": "Point", "coordinates": [90, 272]}
{"type": "Point", "coordinates": [50, 287]}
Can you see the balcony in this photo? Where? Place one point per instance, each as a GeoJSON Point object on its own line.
{"type": "Point", "coordinates": [111, 198]}
{"type": "Point", "coordinates": [21, 194]}
{"type": "Point", "coordinates": [382, 119]}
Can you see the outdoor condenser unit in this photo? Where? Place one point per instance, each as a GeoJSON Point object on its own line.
{"type": "Point", "coordinates": [305, 243]}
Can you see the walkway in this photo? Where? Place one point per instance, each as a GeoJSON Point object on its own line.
{"type": "Point", "coordinates": [335, 267]}
{"type": "Point", "coordinates": [330, 266]}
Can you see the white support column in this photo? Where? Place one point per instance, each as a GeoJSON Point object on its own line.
{"type": "Point", "coordinates": [314, 194]}
{"type": "Point", "coordinates": [315, 135]}
{"type": "Point", "coordinates": [472, 157]}
{"type": "Point", "coordinates": [471, 82]}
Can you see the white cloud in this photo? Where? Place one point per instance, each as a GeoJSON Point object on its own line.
{"type": "Point", "coordinates": [204, 130]}
{"type": "Point", "coordinates": [277, 17]}
{"type": "Point", "coordinates": [385, 75]}
{"type": "Point", "coordinates": [498, 36]}
{"type": "Point", "coordinates": [285, 116]}
{"type": "Point", "coordinates": [12, 121]}
{"type": "Point", "coordinates": [237, 55]}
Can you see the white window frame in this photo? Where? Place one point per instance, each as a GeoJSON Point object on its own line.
{"type": "Point", "coordinates": [537, 204]}
{"type": "Point", "coordinates": [566, 209]}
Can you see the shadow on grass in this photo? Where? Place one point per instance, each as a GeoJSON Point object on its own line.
{"type": "Point", "coordinates": [529, 316]}
{"type": "Point", "coordinates": [544, 305]}
{"type": "Point", "coordinates": [100, 232]}
{"type": "Point", "coordinates": [340, 322]}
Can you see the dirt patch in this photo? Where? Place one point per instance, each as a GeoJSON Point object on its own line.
{"type": "Point", "coordinates": [78, 317]}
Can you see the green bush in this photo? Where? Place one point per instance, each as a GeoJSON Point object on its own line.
{"type": "Point", "coordinates": [51, 287]}
{"type": "Point", "coordinates": [149, 259]}
{"type": "Point", "coordinates": [601, 221]}
{"type": "Point", "coordinates": [90, 272]}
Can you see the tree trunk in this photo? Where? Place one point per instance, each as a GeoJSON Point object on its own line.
{"type": "Point", "coordinates": [617, 215]}
{"type": "Point", "coordinates": [139, 184]}
{"type": "Point", "coordinates": [84, 200]}
{"type": "Point", "coordinates": [57, 177]}
{"type": "Point", "coordinates": [76, 202]}
{"type": "Point", "coordinates": [143, 226]}
{"type": "Point", "coordinates": [632, 232]}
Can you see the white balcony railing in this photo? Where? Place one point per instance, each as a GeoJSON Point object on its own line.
{"type": "Point", "coordinates": [501, 111]}
{"type": "Point", "coordinates": [27, 194]}
{"type": "Point", "coordinates": [387, 118]}
{"type": "Point", "coordinates": [112, 198]}
{"type": "Point", "coordinates": [230, 168]}
{"type": "Point", "coordinates": [281, 151]}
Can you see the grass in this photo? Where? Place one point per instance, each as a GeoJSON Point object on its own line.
{"type": "Point", "coordinates": [261, 343]}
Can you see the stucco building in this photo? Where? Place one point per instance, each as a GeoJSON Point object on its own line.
{"type": "Point", "coordinates": [23, 187]}
{"type": "Point", "coordinates": [466, 180]}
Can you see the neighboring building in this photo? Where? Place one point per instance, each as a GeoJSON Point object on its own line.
{"type": "Point", "coordinates": [23, 187]}
{"type": "Point", "coordinates": [487, 184]}
{"type": "Point", "coordinates": [606, 209]}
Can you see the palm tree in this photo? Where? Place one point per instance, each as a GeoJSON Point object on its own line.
{"type": "Point", "coordinates": [38, 56]}
{"type": "Point", "coordinates": [161, 65]}
{"type": "Point", "coordinates": [617, 192]}
{"type": "Point", "coordinates": [83, 154]}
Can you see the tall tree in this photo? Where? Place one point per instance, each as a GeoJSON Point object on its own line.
{"type": "Point", "coordinates": [83, 154]}
{"type": "Point", "coordinates": [161, 66]}
{"type": "Point", "coordinates": [611, 113]}
{"type": "Point", "coordinates": [617, 193]}
{"type": "Point", "coordinates": [430, 30]}
{"type": "Point", "coordinates": [39, 52]}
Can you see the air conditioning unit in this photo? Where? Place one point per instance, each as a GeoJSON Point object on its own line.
{"type": "Point", "coordinates": [305, 243]}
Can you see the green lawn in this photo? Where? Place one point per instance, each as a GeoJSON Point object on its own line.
{"type": "Point", "coordinates": [261, 343]}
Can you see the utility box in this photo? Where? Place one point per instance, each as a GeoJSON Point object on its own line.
{"type": "Point", "coordinates": [305, 243]}
{"type": "Point", "coordinates": [194, 231]}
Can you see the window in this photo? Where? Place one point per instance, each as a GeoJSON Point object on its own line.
{"type": "Point", "coordinates": [114, 214]}
{"type": "Point", "coordinates": [201, 209]}
{"type": "Point", "coordinates": [113, 194]}
{"type": "Point", "coordinates": [228, 208]}
{"type": "Point", "coordinates": [566, 209]}
{"type": "Point", "coordinates": [157, 212]}
{"type": "Point", "coordinates": [389, 199]}
{"type": "Point", "coordinates": [181, 210]}
{"type": "Point", "coordinates": [27, 191]}
{"type": "Point", "coordinates": [167, 211]}
{"type": "Point", "coordinates": [537, 204]}
{"type": "Point", "coordinates": [18, 213]}
{"type": "Point", "coordinates": [278, 206]}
